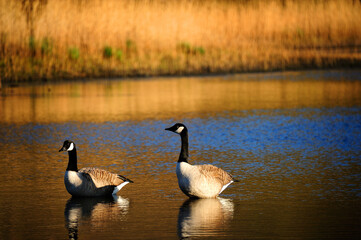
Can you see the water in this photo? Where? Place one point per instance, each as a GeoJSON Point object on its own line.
{"type": "Point", "coordinates": [292, 139]}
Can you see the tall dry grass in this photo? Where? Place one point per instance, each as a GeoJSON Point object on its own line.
{"type": "Point", "coordinates": [175, 37]}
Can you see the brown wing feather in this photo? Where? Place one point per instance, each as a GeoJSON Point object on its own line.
{"type": "Point", "coordinates": [215, 172]}
{"type": "Point", "coordinates": [102, 177]}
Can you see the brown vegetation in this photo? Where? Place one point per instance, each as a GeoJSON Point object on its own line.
{"type": "Point", "coordinates": [47, 39]}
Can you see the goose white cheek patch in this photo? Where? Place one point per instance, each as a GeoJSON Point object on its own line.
{"type": "Point", "coordinates": [179, 130]}
{"type": "Point", "coordinates": [71, 147]}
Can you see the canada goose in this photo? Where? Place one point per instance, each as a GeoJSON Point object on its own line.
{"type": "Point", "coordinates": [89, 182]}
{"type": "Point", "coordinates": [200, 181]}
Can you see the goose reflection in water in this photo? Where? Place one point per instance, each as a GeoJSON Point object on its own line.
{"type": "Point", "coordinates": [204, 217]}
{"type": "Point", "coordinates": [97, 210]}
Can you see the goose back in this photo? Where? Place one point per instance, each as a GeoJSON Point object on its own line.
{"type": "Point", "coordinates": [102, 177]}
{"type": "Point", "coordinates": [215, 173]}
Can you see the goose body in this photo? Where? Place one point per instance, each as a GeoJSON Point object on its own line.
{"type": "Point", "coordinates": [202, 181]}
{"type": "Point", "coordinates": [89, 182]}
{"type": "Point", "coordinates": [198, 181]}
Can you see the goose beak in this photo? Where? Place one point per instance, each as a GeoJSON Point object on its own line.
{"type": "Point", "coordinates": [62, 149]}
{"type": "Point", "coordinates": [168, 129]}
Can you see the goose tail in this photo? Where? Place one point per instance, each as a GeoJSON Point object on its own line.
{"type": "Point", "coordinates": [125, 179]}
{"type": "Point", "coordinates": [120, 186]}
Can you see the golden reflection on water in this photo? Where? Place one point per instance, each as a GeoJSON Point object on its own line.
{"type": "Point", "coordinates": [98, 211]}
{"type": "Point", "coordinates": [160, 98]}
{"type": "Point", "coordinates": [204, 217]}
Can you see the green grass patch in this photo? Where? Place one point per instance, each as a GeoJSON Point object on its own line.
{"type": "Point", "coordinates": [188, 49]}
{"type": "Point", "coordinates": [107, 52]}
{"type": "Point", "coordinates": [73, 53]}
{"type": "Point", "coordinates": [119, 55]}
{"type": "Point", "coordinates": [46, 46]}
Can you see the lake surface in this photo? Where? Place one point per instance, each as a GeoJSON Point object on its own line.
{"type": "Point", "coordinates": [292, 139]}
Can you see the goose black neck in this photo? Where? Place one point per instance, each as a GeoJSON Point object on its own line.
{"type": "Point", "coordinates": [72, 164]}
{"type": "Point", "coordinates": [183, 156]}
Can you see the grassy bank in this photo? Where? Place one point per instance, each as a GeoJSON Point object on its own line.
{"type": "Point", "coordinates": [49, 39]}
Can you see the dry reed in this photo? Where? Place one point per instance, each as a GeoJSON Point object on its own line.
{"type": "Point", "coordinates": [126, 38]}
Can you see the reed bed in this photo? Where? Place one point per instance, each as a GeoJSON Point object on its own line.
{"type": "Point", "coordinates": [49, 39]}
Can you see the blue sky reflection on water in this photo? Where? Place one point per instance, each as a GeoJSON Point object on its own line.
{"type": "Point", "coordinates": [320, 144]}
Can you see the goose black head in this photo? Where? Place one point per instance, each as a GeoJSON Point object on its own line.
{"type": "Point", "coordinates": [177, 128]}
{"type": "Point", "coordinates": [67, 146]}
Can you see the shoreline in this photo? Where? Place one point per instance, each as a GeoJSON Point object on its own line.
{"type": "Point", "coordinates": [193, 66]}
{"type": "Point", "coordinates": [12, 84]}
